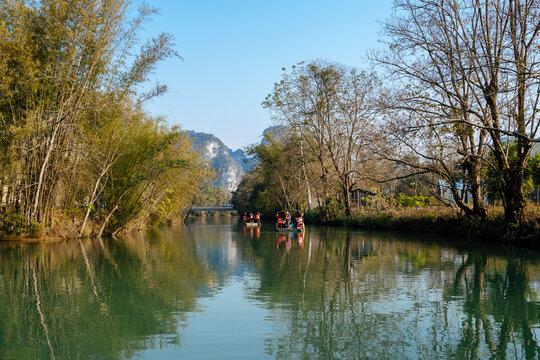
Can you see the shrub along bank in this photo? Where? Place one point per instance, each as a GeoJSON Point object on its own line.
{"type": "Point", "coordinates": [444, 221]}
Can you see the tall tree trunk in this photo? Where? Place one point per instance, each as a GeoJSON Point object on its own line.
{"type": "Point", "coordinates": [34, 214]}
{"type": "Point", "coordinates": [324, 179]}
{"type": "Point", "coordinates": [284, 191]}
{"type": "Point", "coordinates": [346, 197]}
{"type": "Point", "coordinates": [458, 200]}
{"type": "Point", "coordinates": [304, 174]}
{"type": "Point", "coordinates": [106, 221]}
{"type": "Point", "coordinates": [514, 199]}
{"type": "Point", "coordinates": [475, 181]}
{"type": "Point", "coordinates": [89, 206]}
{"type": "Point", "coordinates": [116, 205]}
{"type": "Point", "coordinates": [93, 198]}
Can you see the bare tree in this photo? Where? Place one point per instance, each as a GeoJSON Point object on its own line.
{"type": "Point", "coordinates": [304, 100]}
{"type": "Point", "coordinates": [351, 132]}
{"type": "Point", "coordinates": [328, 105]}
{"type": "Point", "coordinates": [469, 69]}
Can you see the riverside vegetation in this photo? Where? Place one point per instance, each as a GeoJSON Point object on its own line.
{"type": "Point", "coordinates": [78, 153]}
{"type": "Point", "coordinates": [449, 120]}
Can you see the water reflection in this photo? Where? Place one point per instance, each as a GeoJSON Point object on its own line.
{"type": "Point", "coordinates": [289, 239]}
{"type": "Point", "coordinates": [328, 293]}
{"type": "Point", "coordinates": [252, 232]}
{"type": "Point", "coordinates": [107, 299]}
{"type": "Point", "coordinates": [362, 297]}
{"type": "Point", "coordinates": [498, 304]}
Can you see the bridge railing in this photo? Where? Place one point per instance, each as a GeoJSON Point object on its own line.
{"type": "Point", "coordinates": [212, 208]}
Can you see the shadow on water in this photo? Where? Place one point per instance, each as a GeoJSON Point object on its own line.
{"type": "Point", "coordinates": [328, 293]}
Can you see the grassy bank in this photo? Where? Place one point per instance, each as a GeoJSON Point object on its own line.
{"type": "Point", "coordinates": [445, 221]}
{"type": "Point", "coordinates": [16, 228]}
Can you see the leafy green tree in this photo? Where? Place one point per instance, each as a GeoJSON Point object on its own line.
{"type": "Point", "coordinates": [154, 180]}
{"type": "Point", "coordinates": [278, 181]}
{"type": "Point", "coordinates": [211, 195]}
{"type": "Point", "coordinates": [494, 179]}
{"type": "Point", "coordinates": [243, 198]}
{"type": "Point", "coordinates": [71, 118]}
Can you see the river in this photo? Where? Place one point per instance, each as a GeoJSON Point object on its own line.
{"type": "Point", "coordinates": [219, 291]}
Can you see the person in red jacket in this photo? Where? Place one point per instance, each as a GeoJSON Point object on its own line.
{"type": "Point", "coordinates": [279, 221]}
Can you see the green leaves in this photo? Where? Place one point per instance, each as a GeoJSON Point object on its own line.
{"type": "Point", "coordinates": [73, 134]}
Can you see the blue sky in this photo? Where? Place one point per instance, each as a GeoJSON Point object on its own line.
{"type": "Point", "coordinates": [234, 51]}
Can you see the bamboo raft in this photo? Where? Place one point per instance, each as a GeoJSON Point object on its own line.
{"type": "Point", "coordinates": [288, 229]}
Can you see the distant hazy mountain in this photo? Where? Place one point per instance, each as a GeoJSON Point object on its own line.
{"type": "Point", "coordinates": [274, 131]}
{"type": "Point", "coordinates": [245, 162]}
{"type": "Point", "coordinates": [230, 165]}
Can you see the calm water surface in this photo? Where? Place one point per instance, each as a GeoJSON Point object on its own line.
{"type": "Point", "coordinates": [218, 291]}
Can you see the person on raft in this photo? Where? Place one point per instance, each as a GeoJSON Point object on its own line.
{"type": "Point", "coordinates": [280, 220]}
{"type": "Point", "coordinates": [299, 221]}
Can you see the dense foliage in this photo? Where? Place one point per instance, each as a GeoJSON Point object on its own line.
{"type": "Point", "coordinates": [76, 145]}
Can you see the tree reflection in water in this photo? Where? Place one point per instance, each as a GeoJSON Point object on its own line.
{"type": "Point", "coordinates": [92, 298]}
{"type": "Point", "coordinates": [328, 294]}
{"type": "Point", "coordinates": [359, 295]}
{"type": "Point", "coordinates": [499, 309]}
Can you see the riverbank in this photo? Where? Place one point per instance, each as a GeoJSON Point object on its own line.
{"type": "Point", "coordinates": [16, 228]}
{"type": "Point", "coordinates": [445, 221]}
{"type": "Point", "coordinates": [427, 220]}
